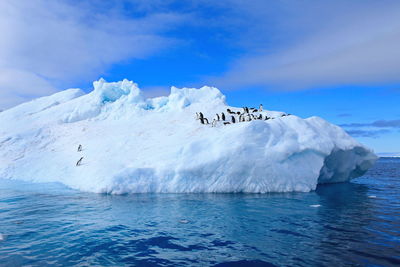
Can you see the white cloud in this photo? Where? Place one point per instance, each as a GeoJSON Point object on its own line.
{"type": "Point", "coordinates": [49, 43]}
{"type": "Point", "coordinates": [17, 86]}
{"type": "Point", "coordinates": [339, 43]}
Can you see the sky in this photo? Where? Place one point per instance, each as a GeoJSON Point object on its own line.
{"type": "Point", "coordinates": [339, 60]}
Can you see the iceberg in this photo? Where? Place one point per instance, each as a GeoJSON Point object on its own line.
{"type": "Point", "coordinates": [133, 144]}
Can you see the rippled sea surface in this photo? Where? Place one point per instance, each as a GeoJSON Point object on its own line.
{"type": "Point", "coordinates": [356, 223]}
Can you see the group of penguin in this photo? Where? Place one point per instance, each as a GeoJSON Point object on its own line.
{"type": "Point", "coordinates": [247, 114]}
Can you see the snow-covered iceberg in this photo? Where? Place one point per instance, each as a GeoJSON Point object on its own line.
{"type": "Point", "coordinates": [135, 144]}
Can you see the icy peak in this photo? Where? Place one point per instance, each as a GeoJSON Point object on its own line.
{"type": "Point", "coordinates": [112, 91]}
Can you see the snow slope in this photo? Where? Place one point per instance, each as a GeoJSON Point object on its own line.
{"type": "Point", "coordinates": [132, 144]}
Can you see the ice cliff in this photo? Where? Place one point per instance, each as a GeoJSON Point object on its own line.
{"type": "Point", "coordinates": [135, 144]}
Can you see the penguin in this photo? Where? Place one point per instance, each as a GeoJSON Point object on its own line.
{"type": "Point", "coordinates": [261, 107]}
{"type": "Point", "coordinates": [252, 116]}
{"type": "Point", "coordinates": [247, 109]}
{"type": "Point", "coordinates": [201, 115]}
{"type": "Point", "coordinates": [240, 117]}
{"type": "Point", "coordinates": [238, 113]}
{"type": "Point", "coordinates": [197, 115]}
{"type": "Point", "coordinates": [217, 117]}
{"type": "Point", "coordinates": [267, 118]}
{"type": "Point", "coordinates": [78, 163]}
{"type": "Point", "coordinates": [202, 120]}
{"type": "Point", "coordinates": [227, 122]}
{"type": "Point", "coordinates": [214, 122]}
{"type": "Point", "coordinates": [255, 110]}
{"type": "Point", "coordinates": [206, 121]}
{"type": "Point", "coordinates": [79, 148]}
{"type": "Point", "coordinates": [248, 118]}
{"type": "Point", "coordinates": [259, 117]}
{"type": "Point", "coordinates": [233, 119]}
{"type": "Point", "coordinates": [223, 116]}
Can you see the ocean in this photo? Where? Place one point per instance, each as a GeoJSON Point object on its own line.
{"type": "Point", "coordinates": [355, 223]}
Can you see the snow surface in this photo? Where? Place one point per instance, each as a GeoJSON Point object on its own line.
{"type": "Point", "coordinates": [133, 144]}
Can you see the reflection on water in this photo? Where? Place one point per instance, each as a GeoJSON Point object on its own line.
{"type": "Point", "coordinates": [356, 223]}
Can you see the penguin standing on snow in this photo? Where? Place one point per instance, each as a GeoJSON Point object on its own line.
{"type": "Point", "coordinates": [233, 119]}
{"type": "Point", "coordinates": [223, 116]}
{"type": "Point", "coordinates": [79, 148]}
{"type": "Point", "coordinates": [217, 117]}
{"type": "Point", "coordinates": [79, 162]}
{"type": "Point", "coordinates": [214, 123]}
{"type": "Point", "coordinates": [260, 117]}
{"type": "Point", "coordinates": [261, 107]}
{"type": "Point", "coordinates": [201, 116]}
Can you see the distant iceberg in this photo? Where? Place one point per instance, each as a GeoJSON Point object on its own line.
{"type": "Point", "coordinates": [133, 144]}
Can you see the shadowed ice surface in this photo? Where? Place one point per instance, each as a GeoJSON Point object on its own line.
{"type": "Point", "coordinates": [355, 223]}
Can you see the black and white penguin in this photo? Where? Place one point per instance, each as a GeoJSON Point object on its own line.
{"type": "Point", "coordinates": [246, 109]}
{"type": "Point", "coordinates": [201, 115]}
{"type": "Point", "coordinates": [217, 117]}
{"type": "Point", "coordinates": [252, 116]}
{"type": "Point", "coordinates": [201, 120]}
{"type": "Point", "coordinates": [206, 121]}
{"type": "Point", "coordinates": [259, 117]}
{"type": "Point", "coordinates": [238, 113]}
{"type": "Point", "coordinates": [240, 117]}
{"type": "Point", "coordinates": [261, 107]}
{"type": "Point", "coordinates": [223, 116]}
{"type": "Point", "coordinates": [267, 118]}
{"type": "Point", "coordinates": [233, 119]}
{"type": "Point", "coordinates": [214, 123]}
{"type": "Point", "coordinates": [78, 163]}
{"type": "Point", "coordinates": [79, 148]}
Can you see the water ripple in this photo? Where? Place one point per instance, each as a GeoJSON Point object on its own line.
{"type": "Point", "coordinates": [49, 225]}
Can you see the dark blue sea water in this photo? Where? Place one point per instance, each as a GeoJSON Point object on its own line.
{"type": "Point", "coordinates": [357, 223]}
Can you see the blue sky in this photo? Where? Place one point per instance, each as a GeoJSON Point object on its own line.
{"type": "Point", "coordinates": [339, 60]}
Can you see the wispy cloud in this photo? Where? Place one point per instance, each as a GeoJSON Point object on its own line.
{"type": "Point", "coordinates": [337, 43]}
{"type": "Point", "coordinates": [367, 133]}
{"type": "Point", "coordinates": [377, 124]}
{"type": "Point", "coordinates": [344, 115]}
{"type": "Point", "coordinates": [372, 129]}
{"type": "Point", "coordinates": [46, 43]}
